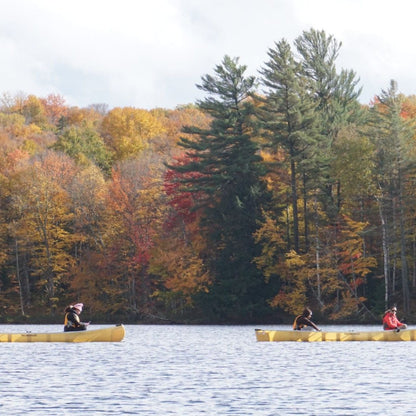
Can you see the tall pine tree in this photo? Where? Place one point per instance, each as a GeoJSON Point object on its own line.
{"type": "Point", "coordinates": [336, 96]}
{"type": "Point", "coordinates": [288, 114]}
{"type": "Point", "coordinates": [227, 172]}
{"type": "Point", "coordinates": [395, 169]}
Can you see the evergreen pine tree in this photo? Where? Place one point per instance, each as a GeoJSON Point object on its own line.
{"type": "Point", "coordinates": [336, 96]}
{"type": "Point", "coordinates": [395, 166]}
{"type": "Point", "coordinates": [228, 175]}
{"type": "Point", "coordinates": [288, 114]}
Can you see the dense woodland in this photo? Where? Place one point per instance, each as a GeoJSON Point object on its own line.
{"type": "Point", "coordinates": [271, 193]}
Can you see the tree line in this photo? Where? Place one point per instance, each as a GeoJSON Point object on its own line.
{"type": "Point", "coordinates": [273, 192]}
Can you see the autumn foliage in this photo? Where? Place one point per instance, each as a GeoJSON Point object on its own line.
{"type": "Point", "coordinates": [242, 208]}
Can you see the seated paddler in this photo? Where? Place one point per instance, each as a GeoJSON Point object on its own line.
{"type": "Point", "coordinates": [72, 321]}
{"type": "Point", "coordinates": [304, 321]}
{"type": "Point", "coordinates": [390, 321]}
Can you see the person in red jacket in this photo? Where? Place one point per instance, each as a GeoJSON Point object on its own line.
{"type": "Point", "coordinates": [390, 320]}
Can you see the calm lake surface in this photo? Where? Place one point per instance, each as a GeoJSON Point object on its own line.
{"type": "Point", "coordinates": [205, 370]}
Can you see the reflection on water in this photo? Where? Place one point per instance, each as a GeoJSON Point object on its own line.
{"type": "Point", "coordinates": [205, 370]}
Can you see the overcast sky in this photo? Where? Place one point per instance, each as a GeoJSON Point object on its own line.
{"type": "Point", "coordinates": [151, 53]}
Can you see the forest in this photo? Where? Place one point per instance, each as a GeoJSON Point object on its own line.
{"type": "Point", "coordinates": [272, 193]}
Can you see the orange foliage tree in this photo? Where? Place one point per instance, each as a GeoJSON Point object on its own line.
{"type": "Point", "coordinates": [135, 212]}
{"type": "Point", "coordinates": [54, 108]}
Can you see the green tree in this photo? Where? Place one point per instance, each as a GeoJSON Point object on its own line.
{"type": "Point", "coordinates": [395, 166]}
{"type": "Point", "coordinates": [336, 95]}
{"type": "Point", "coordinates": [229, 178]}
{"type": "Point", "coordinates": [288, 115]}
{"type": "Point", "coordinates": [335, 92]}
{"type": "Point", "coordinates": [84, 145]}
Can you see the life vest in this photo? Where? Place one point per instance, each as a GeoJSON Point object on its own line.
{"type": "Point", "coordinates": [296, 325]}
{"type": "Point", "coordinates": [69, 323]}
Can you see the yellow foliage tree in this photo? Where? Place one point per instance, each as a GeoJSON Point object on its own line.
{"type": "Point", "coordinates": [15, 127]}
{"type": "Point", "coordinates": [42, 217]}
{"type": "Point", "coordinates": [292, 295]}
{"type": "Point", "coordinates": [88, 193]}
{"type": "Point", "coordinates": [31, 107]}
{"type": "Point", "coordinates": [83, 117]}
{"type": "Point", "coordinates": [270, 236]}
{"type": "Point", "coordinates": [177, 259]}
{"type": "Point", "coordinates": [328, 275]}
{"type": "Point", "coordinates": [128, 130]}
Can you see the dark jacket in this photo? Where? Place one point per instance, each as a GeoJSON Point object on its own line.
{"type": "Point", "coordinates": [303, 320]}
{"type": "Point", "coordinates": [72, 322]}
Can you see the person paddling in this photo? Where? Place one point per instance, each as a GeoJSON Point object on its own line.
{"type": "Point", "coordinates": [301, 321]}
{"type": "Point", "coordinates": [72, 321]}
{"type": "Point", "coordinates": [390, 321]}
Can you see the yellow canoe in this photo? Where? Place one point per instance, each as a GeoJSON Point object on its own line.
{"type": "Point", "coordinates": [111, 334]}
{"type": "Point", "coordinates": [317, 336]}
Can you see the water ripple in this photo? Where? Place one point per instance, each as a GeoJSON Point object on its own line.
{"type": "Point", "coordinates": [215, 370]}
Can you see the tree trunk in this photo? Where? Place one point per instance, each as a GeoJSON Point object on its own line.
{"type": "Point", "coordinates": [305, 214]}
{"type": "Point", "coordinates": [294, 206]}
{"type": "Point", "coordinates": [404, 269]}
{"type": "Point", "coordinates": [317, 256]}
{"type": "Point", "coordinates": [385, 254]}
{"type": "Point", "coordinates": [22, 303]}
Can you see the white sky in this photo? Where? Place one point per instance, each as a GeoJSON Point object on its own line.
{"type": "Point", "coordinates": [151, 53]}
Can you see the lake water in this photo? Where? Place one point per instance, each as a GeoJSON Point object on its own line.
{"type": "Point", "coordinates": [205, 370]}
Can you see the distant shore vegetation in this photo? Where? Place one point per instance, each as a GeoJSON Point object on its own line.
{"type": "Point", "coordinates": [270, 194]}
